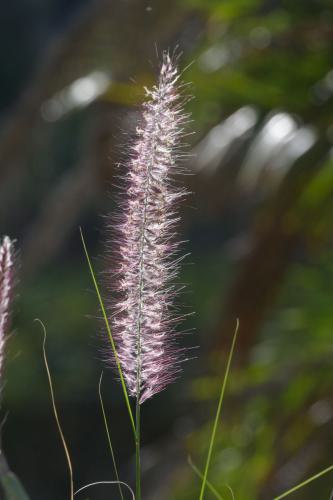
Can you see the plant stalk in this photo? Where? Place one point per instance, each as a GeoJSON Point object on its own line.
{"type": "Point", "coordinates": [137, 450]}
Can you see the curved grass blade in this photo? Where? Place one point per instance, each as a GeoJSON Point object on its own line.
{"type": "Point", "coordinates": [55, 412]}
{"type": "Point", "coordinates": [231, 491]}
{"type": "Point", "coordinates": [199, 474]}
{"type": "Point", "coordinates": [304, 483]}
{"type": "Point", "coordinates": [105, 482]}
{"type": "Point", "coordinates": [218, 413]}
{"type": "Point", "coordinates": [107, 430]}
{"type": "Point", "coordinates": [108, 328]}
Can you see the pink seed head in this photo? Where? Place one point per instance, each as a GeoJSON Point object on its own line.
{"type": "Point", "coordinates": [6, 291]}
{"type": "Point", "coordinates": [146, 263]}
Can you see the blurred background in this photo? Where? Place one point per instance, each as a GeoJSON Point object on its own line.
{"type": "Point", "coordinates": [258, 226]}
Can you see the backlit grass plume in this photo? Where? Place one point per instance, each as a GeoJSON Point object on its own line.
{"type": "Point", "coordinates": [6, 291]}
{"type": "Point", "coordinates": [143, 316]}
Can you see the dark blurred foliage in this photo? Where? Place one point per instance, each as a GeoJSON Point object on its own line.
{"type": "Point", "coordinates": [258, 228]}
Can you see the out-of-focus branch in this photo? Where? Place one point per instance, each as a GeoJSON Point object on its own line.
{"type": "Point", "coordinates": [276, 237]}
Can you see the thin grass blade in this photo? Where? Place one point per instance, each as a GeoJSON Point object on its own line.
{"type": "Point", "coordinates": [108, 328]}
{"type": "Point", "coordinates": [218, 413]}
{"type": "Point", "coordinates": [55, 412]}
{"type": "Point", "coordinates": [200, 475]}
{"type": "Point", "coordinates": [107, 430]}
{"type": "Point", "coordinates": [304, 483]}
{"type": "Point", "coordinates": [105, 482]}
{"type": "Point", "coordinates": [231, 491]}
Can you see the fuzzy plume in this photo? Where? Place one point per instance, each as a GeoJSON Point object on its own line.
{"type": "Point", "coordinates": [6, 291]}
{"type": "Point", "coordinates": [143, 315]}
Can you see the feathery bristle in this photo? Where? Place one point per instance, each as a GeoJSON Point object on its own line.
{"type": "Point", "coordinates": [146, 265]}
{"type": "Point", "coordinates": [6, 291]}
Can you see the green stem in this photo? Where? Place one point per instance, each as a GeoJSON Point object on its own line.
{"type": "Point", "coordinates": [137, 451]}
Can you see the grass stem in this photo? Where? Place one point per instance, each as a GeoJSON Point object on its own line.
{"type": "Point", "coordinates": [137, 450]}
